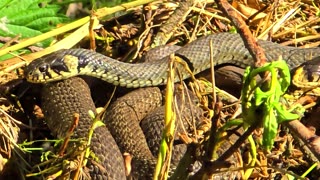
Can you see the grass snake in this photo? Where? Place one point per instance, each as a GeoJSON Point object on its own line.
{"type": "Point", "coordinates": [63, 64]}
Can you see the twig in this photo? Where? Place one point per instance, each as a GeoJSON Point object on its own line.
{"type": "Point", "coordinates": [69, 133]}
{"type": "Point", "coordinates": [213, 143]}
{"type": "Point", "coordinates": [239, 142]}
{"type": "Point", "coordinates": [175, 20]}
{"type": "Point", "coordinates": [309, 138]}
{"type": "Point", "coordinates": [251, 44]}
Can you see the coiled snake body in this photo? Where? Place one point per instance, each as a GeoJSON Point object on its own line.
{"type": "Point", "coordinates": [63, 64]}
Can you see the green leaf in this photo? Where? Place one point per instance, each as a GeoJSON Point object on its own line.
{"type": "Point", "coordinates": [13, 7]}
{"type": "Point", "coordinates": [24, 32]}
{"type": "Point", "coordinates": [27, 18]}
{"type": "Point", "coordinates": [267, 99]}
{"type": "Point", "coordinates": [283, 114]}
{"type": "Point", "coordinates": [270, 128]}
{"type": "Point", "coordinates": [97, 124]}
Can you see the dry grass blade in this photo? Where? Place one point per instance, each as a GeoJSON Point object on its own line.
{"type": "Point", "coordinates": [9, 131]}
{"type": "Point", "coordinates": [164, 157]}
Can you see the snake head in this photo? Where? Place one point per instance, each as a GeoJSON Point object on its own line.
{"type": "Point", "coordinates": [312, 69]}
{"type": "Point", "coordinates": [307, 75]}
{"type": "Point", "coordinates": [53, 67]}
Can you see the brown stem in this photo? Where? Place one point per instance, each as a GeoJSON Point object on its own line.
{"type": "Point", "coordinates": [251, 44]}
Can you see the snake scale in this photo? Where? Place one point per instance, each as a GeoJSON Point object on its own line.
{"type": "Point", "coordinates": [227, 49]}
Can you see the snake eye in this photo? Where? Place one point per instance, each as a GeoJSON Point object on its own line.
{"type": "Point", "coordinates": [43, 68]}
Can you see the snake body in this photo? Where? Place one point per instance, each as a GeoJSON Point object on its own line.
{"type": "Point", "coordinates": [227, 49]}
{"type": "Point", "coordinates": [60, 100]}
{"type": "Point", "coordinates": [124, 117]}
